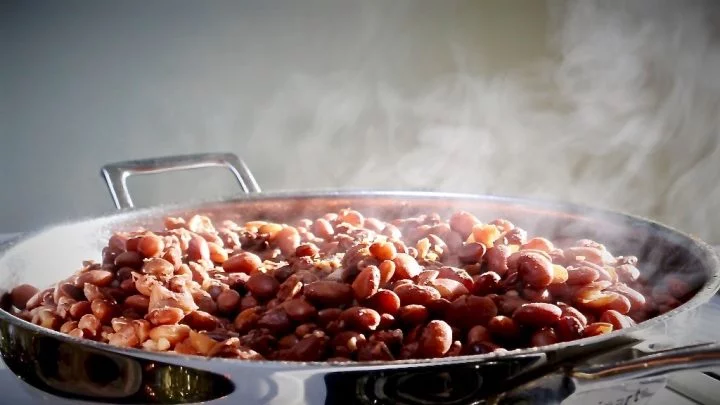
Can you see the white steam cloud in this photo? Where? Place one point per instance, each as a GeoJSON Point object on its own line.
{"type": "Point", "coordinates": [625, 114]}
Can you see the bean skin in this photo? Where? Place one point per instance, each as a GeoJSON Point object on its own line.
{"type": "Point", "coordinates": [262, 286]}
{"type": "Point", "coordinates": [244, 262]}
{"type": "Point", "coordinates": [329, 293]}
{"type": "Point", "coordinates": [436, 339]}
{"type": "Point", "coordinates": [366, 283]}
{"type": "Point", "coordinates": [21, 294]}
{"type": "Point", "coordinates": [535, 270]}
{"type": "Point", "coordinates": [537, 314]}
{"type": "Point", "coordinates": [406, 267]}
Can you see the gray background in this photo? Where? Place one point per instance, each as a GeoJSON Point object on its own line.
{"type": "Point", "coordinates": [607, 106]}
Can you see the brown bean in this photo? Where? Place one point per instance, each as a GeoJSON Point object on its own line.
{"type": "Point", "coordinates": [287, 240]}
{"type": "Point", "coordinates": [534, 269]}
{"type": "Point", "coordinates": [383, 250]}
{"type": "Point", "coordinates": [416, 294]}
{"type": "Point", "coordinates": [581, 275]}
{"type": "Point", "coordinates": [310, 348]}
{"type": "Point", "coordinates": [617, 320]}
{"type": "Point", "coordinates": [497, 259]}
{"type": "Point", "coordinates": [591, 254]}
{"type": "Point", "coordinates": [263, 286]}
{"type": "Point", "coordinates": [463, 222]}
{"type": "Point", "coordinates": [449, 289]}
{"type": "Point", "coordinates": [100, 278]}
{"type": "Point", "coordinates": [325, 316]}
{"type": "Point", "coordinates": [89, 324]}
{"type": "Point", "coordinates": [602, 301]}
{"type": "Point", "coordinates": [150, 245]}
{"type": "Point", "coordinates": [539, 244]}
{"type": "Point", "coordinates": [159, 268]}
{"type": "Point", "coordinates": [288, 341]}
{"type": "Point", "coordinates": [468, 311]}
{"type": "Point", "coordinates": [472, 252]}
{"type": "Point", "coordinates": [79, 309]}
{"type": "Point", "coordinates": [436, 339]}
{"type": "Point", "coordinates": [276, 320]}
{"type": "Point", "coordinates": [165, 316]}
{"type": "Point", "coordinates": [486, 283]}
{"type": "Point", "coordinates": [102, 310]}
{"type": "Point", "coordinates": [68, 326]}
{"type": "Point", "coordinates": [568, 328]}
{"type": "Point", "coordinates": [243, 262]}
{"type": "Point", "coordinates": [20, 295]}
{"type": "Point", "coordinates": [228, 301]}
{"type": "Point", "coordinates": [173, 333]}
{"type": "Point", "coordinates": [129, 259]}
{"type": "Point", "coordinates": [361, 319]}
{"type": "Point", "coordinates": [571, 311]}
{"type": "Point", "coordinates": [406, 267]}
{"type": "Point", "coordinates": [329, 293]}
{"type": "Point", "coordinates": [458, 275]}
{"type": "Point", "coordinates": [137, 302]}
{"type": "Point", "coordinates": [636, 299]}
{"type": "Point", "coordinates": [478, 333]}
{"type": "Point", "coordinates": [323, 229]}
{"type": "Point", "coordinates": [347, 342]}
{"type": "Point", "coordinates": [217, 253]}
{"type": "Point", "coordinates": [544, 337]}
{"type": "Point", "coordinates": [307, 250]}
{"type": "Point", "coordinates": [198, 248]}
{"type": "Point", "coordinates": [504, 328]}
{"type": "Point", "coordinates": [426, 277]}
{"type": "Point", "coordinates": [385, 302]}
{"type": "Point", "coordinates": [351, 217]}
{"type": "Point", "coordinates": [299, 310]}
{"type": "Point", "coordinates": [387, 271]}
{"type": "Point", "coordinates": [247, 319]}
{"type": "Point", "coordinates": [366, 283]}
{"type": "Point", "coordinates": [627, 272]}
{"type": "Point", "coordinates": [597, 328]}
{"type": "Point", "coordinates": [200, 320]}
{"type": "Point", "coordinates": [46, 317]}
{"type": "Point", "coordinates": [537, 314]}
{"type": "Point", "coordinates": [413, 314]}
{"type": "Point", "coordinates": [534, 295]}
{"type": "Point", "coordinates": [560, 274]}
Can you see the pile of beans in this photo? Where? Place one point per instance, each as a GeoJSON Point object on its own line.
{"type": "Point", "coordinates": [345, 287]}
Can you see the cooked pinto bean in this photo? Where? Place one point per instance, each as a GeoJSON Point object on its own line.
{"type": "Point", "coordinates": [537, 314]}
{"type": "Point", "coordinates": [406, 267]}
{"type": "Point", "coordinates": [262, 286]}
{"type": "Point", "coordinates": [329, 293]}
{"type": "Point", "coordinates": [535, 269]}
{"type": "Point", "coordinates": [366, 283]}
{"type": "Point", "coordinates": [384, 301]}
{"type": "Point", "coordinates": [436, 339]}
{"type": "Point", "coordinates": [346, 287]}
{"type": "Point", "coordinates": [21, 294]}
{"type": "Point", "coordinates": [244, 262]}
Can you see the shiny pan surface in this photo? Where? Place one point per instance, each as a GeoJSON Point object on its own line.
{"type": "Point", "coordinates": [82, 369]}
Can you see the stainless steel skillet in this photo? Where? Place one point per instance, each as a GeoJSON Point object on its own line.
{"type": "Point", "coordinates": [59, 364]}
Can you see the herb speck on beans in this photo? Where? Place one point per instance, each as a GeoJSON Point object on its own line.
{"type": "Point", "coordinates": [346, 286]}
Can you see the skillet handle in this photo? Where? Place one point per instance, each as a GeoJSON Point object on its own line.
{"type": "Point", "coordinates": [116, 174]}
{"type": "Point", "coordinates": [699, 357]}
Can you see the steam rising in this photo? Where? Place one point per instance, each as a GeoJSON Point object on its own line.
{"type": "Point", "coordinates": [625, 114]}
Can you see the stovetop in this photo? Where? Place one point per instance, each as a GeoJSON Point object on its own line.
{"type": "Point", "coordinates": [689, 388]}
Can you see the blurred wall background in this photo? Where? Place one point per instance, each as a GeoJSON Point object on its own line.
{"type": "Point", "coordinates": [608, 106]}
